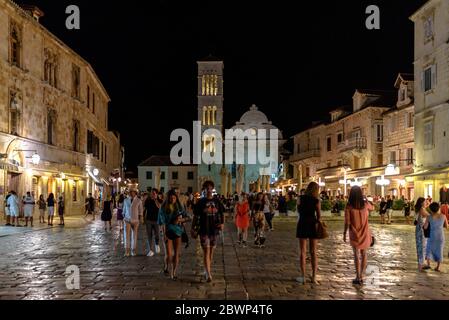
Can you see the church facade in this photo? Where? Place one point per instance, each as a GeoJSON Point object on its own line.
{"type": "Point", "coordinates": [244, 170]}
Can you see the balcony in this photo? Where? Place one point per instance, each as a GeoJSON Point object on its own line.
{"type": "Point", "coordinates": [312, 153]}
{"type": "Point", "coordinates": [357, 143]}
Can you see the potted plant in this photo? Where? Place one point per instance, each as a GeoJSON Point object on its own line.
{"type": "Point", "coordinates": [326, 207]}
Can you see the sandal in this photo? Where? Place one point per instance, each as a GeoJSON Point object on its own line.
{"type": "Point", "coordinates": [356, 281]}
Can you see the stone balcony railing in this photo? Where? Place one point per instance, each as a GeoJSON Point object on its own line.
{"type": "Point", "coordinates": [312, 153]}
{"type": "Point", "coordinates": [357, 143]}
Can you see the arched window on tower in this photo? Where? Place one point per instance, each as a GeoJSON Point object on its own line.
{"type": "Point", "coordinates": [215, 85]}
{"type": "Point", "coordinates": [214, 115]}
{"type": "Point", "coordinates": [203, 85]}
{"type": "Point", "coordinates": [209, 116]}
{"type": "Point", "coordinates": [204, 115]}
{"type": "Point", "coordinates": [207, 85]}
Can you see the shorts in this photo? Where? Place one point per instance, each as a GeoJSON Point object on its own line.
{"type": "Point", "coordinates": [208, 241]}
{"type": "Point", "coordinates": [171, 235]}
{"type": "Point", "coordinates": [51, 211]}
{"type": "Point", "coordinates": [14, 213]}
{"type": "Point", "coordinates": [28, 213]}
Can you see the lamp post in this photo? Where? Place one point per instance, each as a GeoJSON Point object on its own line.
{"type": "Point", "coordinates": [345, 180]}
{"type": "Point", "coordinates": [383, 182]}
{"type": "Point", "coordinates": [321, 183]}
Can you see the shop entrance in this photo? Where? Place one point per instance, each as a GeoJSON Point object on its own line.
{"type": "Point", "coordinates": [14, 182]}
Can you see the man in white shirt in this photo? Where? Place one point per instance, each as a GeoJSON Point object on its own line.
{"type": "Point", "coordinates": [28, 208]}
{"type": "Point", "coordinates": [132, 214]}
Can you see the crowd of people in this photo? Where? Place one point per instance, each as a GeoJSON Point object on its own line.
{"type": "Point", "coordinates": [165, 216]}
{"type": "Point", "coordinates": [17, 209]}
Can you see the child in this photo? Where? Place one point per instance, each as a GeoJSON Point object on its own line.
{"type": "Point", "coordinates": [61, 211]}
{"type": "Point", "coordinates": [437, 222]}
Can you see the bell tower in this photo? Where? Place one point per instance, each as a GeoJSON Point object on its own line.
{"type": "Point", "coordinates": [210, 112]}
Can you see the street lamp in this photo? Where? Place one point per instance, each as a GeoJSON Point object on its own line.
{"type": "Point", "coordinates": [35, 159]}
{"type": "Point", "coordinates": [382, 182]}
{"type": "Point", "coordinates": [345, 180]}
{"type": "Point", "coordinates": [321, 183]}
{"type": "Point", "coordinates": [355, 183]}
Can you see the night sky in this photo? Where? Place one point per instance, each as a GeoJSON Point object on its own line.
{"type": "Point", "coordinates": [296, 60]}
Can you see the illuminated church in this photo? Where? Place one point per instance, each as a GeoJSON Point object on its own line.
{"type": "Point", "coordinates": [238, 176]}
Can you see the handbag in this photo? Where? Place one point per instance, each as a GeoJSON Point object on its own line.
{"type": "Point", "coordinates": [194, 231]}
{"type": "Point", "coordinates": [321, 230]}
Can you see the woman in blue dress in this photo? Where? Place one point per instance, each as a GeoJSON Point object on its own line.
{"type": "Point", "coordinates": [435, 244]}
{"type": "Point", "coordinates": [421, 215]}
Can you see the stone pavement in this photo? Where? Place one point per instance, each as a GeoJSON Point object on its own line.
{"type": "Point", "coordinates": [33, 264]}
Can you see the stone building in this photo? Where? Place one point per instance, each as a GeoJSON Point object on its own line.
{"type": "Point", "coordinates": [345, 150]}
{"type": "Point", "coordinates": [398, 137]}
{"type": "Point", "coordinates": [160, 173]}
{"type": "Point", "coordinates": [431, 98]}
{"type": "Point", "coordinates": [52, 107]}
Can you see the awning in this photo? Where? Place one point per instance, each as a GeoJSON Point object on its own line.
{"type": "Point", "coordinates": [428, 172]}
{"type": "Point", "coordinates": [105, 182]}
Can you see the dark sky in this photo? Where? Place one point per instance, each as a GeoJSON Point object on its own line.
{"type": "Point", "coordinates": [294, 59]}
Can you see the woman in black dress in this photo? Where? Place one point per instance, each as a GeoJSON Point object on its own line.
{"type": "Point", "coordinates": [106, 214]}
{"type": "Point", "coordinates": [309, 214]}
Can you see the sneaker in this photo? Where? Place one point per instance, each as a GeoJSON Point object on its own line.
{"type": "Point", "coordinates": [157, 248]}
{"type": "Point", "coordinates": [133, 253]}
{"type": "Point", "coordinates": [244, 244]}
{"type": "Point", "coordinates": [150, 254]}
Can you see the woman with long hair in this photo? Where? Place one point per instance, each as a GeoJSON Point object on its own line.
{"type": "Point", "coordinates": [421, 215]}
{"type": "Point", "coordinates": [259, 221]}
{"type": "Point", "coordinates": [356, 221]}
{"type": "Point", "coordinates": [42, 206]}
{"type": "Point", "coordinates": [171, 218]}
{"type": "Point", "coordinates": [106, 213]}
{"type": "Point", "coordinates": [268, 211]}
{"type": "Point", "coordinates": [120, 202]}
{"type": "Point", "coordinates": [309, 210]}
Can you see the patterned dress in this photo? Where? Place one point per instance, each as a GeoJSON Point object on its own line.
{"type": "Point", "coordinates": [420, 239]}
